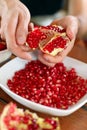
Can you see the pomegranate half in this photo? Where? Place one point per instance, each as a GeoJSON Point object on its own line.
{"type": "Point", "coordinates": [50, 39]}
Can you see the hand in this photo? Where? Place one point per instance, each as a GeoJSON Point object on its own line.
{"type": "Point", "coordinates": [71, 24]}
{"type": "Point", "coordinates": [15, 20]}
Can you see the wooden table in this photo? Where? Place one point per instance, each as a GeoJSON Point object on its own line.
{"type": "Point", "coordinates": [75, 121]}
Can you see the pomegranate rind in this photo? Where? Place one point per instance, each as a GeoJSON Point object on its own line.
{"type": "Point", "coordinates": [41, 36]}
{"type": "Point", "coordinates": [7, 111]}
{"type": "Point", "coordinates": [56, 50]}
{"type": "Point", "coordinates": [2, 116]}
{"type": "Point", "coordinates": [42, 123]}
{"type": "Point", "coordinates": [54, 33]}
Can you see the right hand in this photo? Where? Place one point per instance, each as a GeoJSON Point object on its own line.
{"type": "Point", "coordinates": [15, 21]}
{"type": "Point", "coordinates": [71, 24]}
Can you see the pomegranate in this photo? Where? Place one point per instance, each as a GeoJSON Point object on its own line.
{"type": "Point", "coordinates": [13, 118]}
{"type": "Point", "coordinates": [55, 87]}
{"type": "Point", "coordinates": [51, 39]}
{"type": "Point", "coordinates": [2, 46]}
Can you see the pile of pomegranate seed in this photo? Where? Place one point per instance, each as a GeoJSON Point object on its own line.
{"type": "Point", "coordinates": [55, 87]}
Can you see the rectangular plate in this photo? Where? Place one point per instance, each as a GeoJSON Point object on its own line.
{"type": "Point", "coordinates": [7, 71]}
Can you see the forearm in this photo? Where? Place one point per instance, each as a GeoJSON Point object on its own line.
{"type": "Point", "coordinates": [78, 8]}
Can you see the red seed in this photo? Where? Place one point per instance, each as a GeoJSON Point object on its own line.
{"type": "Point", "coordinates": [2, 46]}
{"type": "Point", "coordinates": [26, 120]}
{"type": "Point", "coordinates": [55, 87]}
{"type": "Point", "coordinates": [48, 39]}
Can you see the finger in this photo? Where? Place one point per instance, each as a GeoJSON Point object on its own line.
{"type": "Point", "coordinates": [10, 29]}
{"type": "Point", "coordinates": [20, 51]}
{"type": "Point", "coordinates": [31, 27]}
{"type": "Point", "coordinates": [68, 49]}
{"type": "Point", "coordinates": [2, 35]}
{"type": "Point", "coordinates": [45, 62]}
{"type": "Point", "coordinates": [59, 22]}
{"type": "Point", "coordinates": [22, 29]}
{"type": "Point", "coordinates": [11, 41]}
{"type": "Point", "coordinates": [25, 48]}
{"type": "Point", "coordinates": [71, 31]}
{"type": "Point", "coordinates": [17, 50]}
{"type": "Point", "coordinates": [53, 59]}
{"type": "Point", "coordinates": [22, 54]}
{"type": "Point", "coordinates": [72, 27]}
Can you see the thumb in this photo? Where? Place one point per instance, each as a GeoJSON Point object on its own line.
{"type": "Point", "coordinates": [72, 30]}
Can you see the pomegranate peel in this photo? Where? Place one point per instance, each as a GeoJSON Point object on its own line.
{"type": "Point", "coordinates": [13, 118]}
{"type": "Point", "coordinates": [57, 44]}
{"type": "Point", "coordinates": [50, 39]}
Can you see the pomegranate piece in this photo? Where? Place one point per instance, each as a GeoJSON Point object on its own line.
{"type": "Point", "coordinates": [55, 87]}
{"type": "Point", "coordinates": [55, 46]}
{"type": "Point", "coordinates": [13, 118]}
{"type": "Point", "coordinates": [34, 37]}
{"type": "Point", "coordinates": [2, 46]}
{"type": "Point", "coordinates": [50, 39]}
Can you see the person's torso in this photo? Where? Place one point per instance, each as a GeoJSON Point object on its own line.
{"type": "Point", "coordinates": [43, 7]}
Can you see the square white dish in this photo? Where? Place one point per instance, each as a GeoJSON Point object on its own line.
{"type": "Point", "coordinates": [5, 55]}
{"type": "Point", "coordinates": [7, 71]}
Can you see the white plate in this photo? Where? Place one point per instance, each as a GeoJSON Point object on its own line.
{"type": "Point", "coordinates": [4, 55]}
{"type": "Point", "coordinates": [7, 71]}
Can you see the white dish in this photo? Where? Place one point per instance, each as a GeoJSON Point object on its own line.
{"type": "Point", "coordinates": [4, 55]}
{"type": "Point", "coordinates": [7, 71]}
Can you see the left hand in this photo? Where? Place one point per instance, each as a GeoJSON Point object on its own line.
{"type": "Point", "coordinates": [71, 24]}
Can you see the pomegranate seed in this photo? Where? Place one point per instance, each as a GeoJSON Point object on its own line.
{"type": "Point", "coordinates": [55, 87]}
{"type": "Point", "coordinates": [49, 39]}
{"type": "Point", "coordinates": [26, 120]}
{"type": "Point", "coordinates": [2, 46]}
{"type": "Point", "coordinates": [34, 37]}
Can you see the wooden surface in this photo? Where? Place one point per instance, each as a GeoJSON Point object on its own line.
{"type": "Point", "coordinates": [75, 121]}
